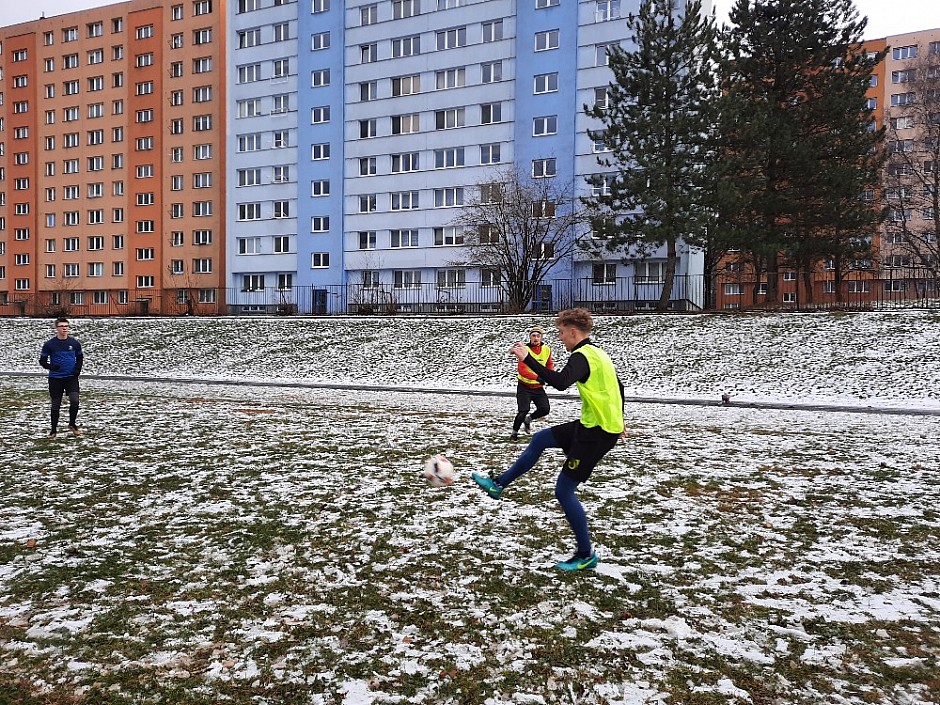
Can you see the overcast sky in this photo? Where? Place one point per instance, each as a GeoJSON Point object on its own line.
{"type": "Point", "coordinates": [885, 17]}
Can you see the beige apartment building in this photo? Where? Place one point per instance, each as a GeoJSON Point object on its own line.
{"type": "Point", "coordinates": [112, 169]}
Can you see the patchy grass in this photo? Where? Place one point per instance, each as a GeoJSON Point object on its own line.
{"type": "Point", "coordinates": [244, 545]}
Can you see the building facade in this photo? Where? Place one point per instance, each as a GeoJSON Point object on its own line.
{"type": "Point", "coordinates": [355, 132]}
{"type": "Point", "coordinates": [112, 165]}
{"type": "Point", "coordinates": [359, 129]}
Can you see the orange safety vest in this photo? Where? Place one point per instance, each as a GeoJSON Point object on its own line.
{"type": "Point", "coordinates": [544, 356]}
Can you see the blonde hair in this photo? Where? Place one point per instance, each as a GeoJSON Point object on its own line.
{"type": "Point", "coordinates": [579, 318]}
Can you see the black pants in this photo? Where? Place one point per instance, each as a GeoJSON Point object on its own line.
{"type": "Point", "coordinates": [526, 396]}
{"type": "Point", "coordinates": [57, 388]}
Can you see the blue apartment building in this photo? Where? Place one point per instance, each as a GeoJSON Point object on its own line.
{"type": "Point", "coordinates": [356, 130]}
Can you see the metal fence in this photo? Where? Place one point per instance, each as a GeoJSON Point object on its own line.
{"type": "Point", "coordinates": [615, 296]}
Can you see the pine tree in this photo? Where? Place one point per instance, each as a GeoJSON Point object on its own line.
{"type": "Point", "coordinates": [658, 125]}
{"type": "Point", "coordinates": [798, 139]}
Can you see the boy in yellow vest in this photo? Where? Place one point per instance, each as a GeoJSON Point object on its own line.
{"type": "Point", "coordinates": [584, 441]}
{"type": "Point", "coordinates": [529, 388]}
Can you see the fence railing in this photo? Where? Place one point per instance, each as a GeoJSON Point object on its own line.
{"type": "Point", "coordinates": [620, 295]}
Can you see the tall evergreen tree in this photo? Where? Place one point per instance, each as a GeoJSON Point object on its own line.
{"type": "Point", "coordinates": [658, 123]}
{"type": "Point", "coordinates": [798, 138]}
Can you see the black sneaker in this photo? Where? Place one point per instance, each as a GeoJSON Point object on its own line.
{"type": "Point", "coordinates": [514, 437]}
{"type": "Point", "coordinates": [528, 423]}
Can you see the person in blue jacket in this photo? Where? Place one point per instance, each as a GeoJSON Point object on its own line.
{"type": "Point", "coordinates": [63, 357]}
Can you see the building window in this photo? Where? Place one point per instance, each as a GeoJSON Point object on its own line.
{"type": "Point", "coordinates": [607, 10]}
{"type": "Point", "coordinates": [448, 197]}
{"type": "Point", "coordinates": [492, 31]}
{"type": "Point", "coordinates": [451, 278]}
{"type": "Point", "coordinates": [249, 211]}
{"type": "Point", "coordinates": [320, 260]}
{"type": "Point", "coordinates": [649, 272]}
{"type": "Point", "coordinates": [406, 46]}
{"type": "Point", "coordinates": [489, 278]}
{"type": "Point", "coordinates": [604, 273]}
{"type": "Point", "coordinates": [450, 78]}
{"type": "Point", "coordinates": [367, 239]}
{"type": "Point", "coordinates": [545, 41]}
{"type": "Point", "coordinates": [405, 8]}
{"type": "Point", "coordinates": [546, 125]}
{"type": "Point", "coordinates": [449, 119]}
{"type": "Point", "coordinates": [368, 14]}
{"type": "Point", "coordinates": [370, 279]}
{"type": "Point", "coordinates": [491, 113]}
{"type": "Point", "coordinates": [368, 53]}
{"type": "Point", "coordinates": [406, 279]}
{"type": "Point", "coordinates": [452, 38]}
{"type": "Point", "coordinates": [404, 200]}
{"type": "Point", "coordinates": [405, 162]}
{"type": "Point", "coordinates": [367, 203]}
{"type": "Point", "coordinates": [490, 154]}
{"type": "Point", "coordinates": [249, 245]}
{"type": "Point", "coordinates": [448, 236]}
{"type": "Point", "coordinates": [543, 168]}
{"type": "Point", "coordinates": [546, 83]}
{"type": "Point", "coordinates": [448, 158]}
{"type": "Point", "coordinates": [491, 71]}
{"type": "Point", "coordinates": [406, 85]}
{"type": "Point", "coordinates": [602, 54]}
{"type": "Point", "coordinates": [368, 128]}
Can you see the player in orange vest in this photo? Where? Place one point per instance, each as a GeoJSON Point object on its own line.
{"type": "Point", "coordinates": [529, 388]}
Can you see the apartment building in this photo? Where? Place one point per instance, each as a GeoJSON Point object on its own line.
{"type": "Point", "coordinates": [112, 161]}
{"type": "Point", "coordinates": [909, 246]}
{"type": "Point", "coordinates": [359, 129]}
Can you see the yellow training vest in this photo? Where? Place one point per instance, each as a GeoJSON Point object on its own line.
{"type": "Point", "coordinates": [542, 357]}
{"type": "Point", "coordinates": [601, 401]}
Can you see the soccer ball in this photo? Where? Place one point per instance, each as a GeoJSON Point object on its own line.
{"type": "Point", "coordinates": [438, 471]}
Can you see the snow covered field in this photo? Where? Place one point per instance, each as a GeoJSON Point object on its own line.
{"type": "Point", "coordinates": [219, 543]}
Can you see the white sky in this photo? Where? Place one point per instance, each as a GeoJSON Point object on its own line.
{"type": "Point", "coordinates": [884, 17]}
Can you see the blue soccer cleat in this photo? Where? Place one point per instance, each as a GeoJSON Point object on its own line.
{"type": "Point", "coordinates": [487, 484]}
{"type": "Point", "coordinates": [578, 563]}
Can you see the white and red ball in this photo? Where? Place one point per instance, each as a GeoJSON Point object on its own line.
{"type": "Point", "coordinates": [439, 471]}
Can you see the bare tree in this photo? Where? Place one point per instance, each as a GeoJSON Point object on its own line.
{"type": "Point", "coordinates": [518, 229]}
{"type": "Point", "coordinates": [912, 175]}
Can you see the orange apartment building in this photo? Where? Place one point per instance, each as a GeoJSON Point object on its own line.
{"type": "Point", "coordinates": [112, 168]}
{"type": "Point", "coordinates": [880, 279]}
